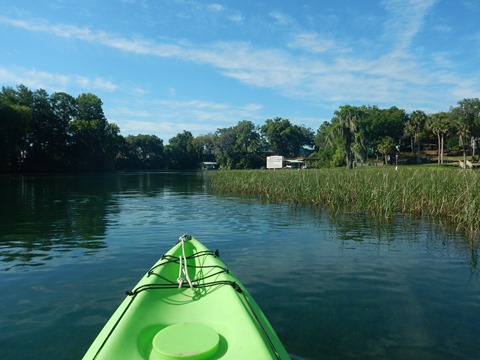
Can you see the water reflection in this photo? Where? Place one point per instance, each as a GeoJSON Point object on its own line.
{"type": "Point", "coordinates": [333, 285]}
{"type": "Point", "coordinates": [43, 217]}
{"type": "Point", "coordinates": [429, 238]}
{"type": "Point", "coordinates": [369, 289]}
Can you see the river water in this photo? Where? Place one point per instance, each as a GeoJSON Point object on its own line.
{"type": "Point", "coordinates": [333, 286]}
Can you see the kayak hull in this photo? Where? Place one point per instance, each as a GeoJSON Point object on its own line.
{"type": "Point", "coordinates": [189, 305]}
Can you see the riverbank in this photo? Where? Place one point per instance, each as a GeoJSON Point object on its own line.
{"type": "Point", "coordinates": [447, 194]}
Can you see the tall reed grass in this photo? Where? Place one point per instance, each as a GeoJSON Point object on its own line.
{"type": "Point", "coordinates": [451, 195]}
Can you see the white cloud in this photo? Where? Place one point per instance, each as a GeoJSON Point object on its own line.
{"type": "Point", "coordinates": [405, 20]}
{"type": "Point", "coordinates": [137, 46]}
{"type": "Point", "coordinates": [236, 18]}
{"type": "Point", "coordinates": [311, 43]}
{"type": "Point", "coordinates": [324, 71]}
{"type": "Point", "coordinates": [137, 90]}
{"type": "Point", "coordinates": [37, 79]}
{"type": "Point", "coordinates": [288, 73]}
{"type": "Point", "coordinates": [215, 7]}
{"type": "Point", "coordinates": [270, 68]}
{"type": "Point", "coordinates": [166, 117]}
{"type": "Point", "coordinates": [471, 5]}
{"type": "Point", "coordinates": [475, 37]}
{"type": "Point", "coordinates": [280, 18]}
{"type": "Point", "coordinates": [442, 28]}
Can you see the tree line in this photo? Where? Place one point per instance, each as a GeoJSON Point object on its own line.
{"type": "Point", "coordinates": [45, 133]}
{"type": "Point", "coordinates": [41, 132]}
{"type": "Point", "coordinates": [357, 134]}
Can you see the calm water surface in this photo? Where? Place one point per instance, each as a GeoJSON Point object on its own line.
{"type": "Point", "coordinates": [334, 287]}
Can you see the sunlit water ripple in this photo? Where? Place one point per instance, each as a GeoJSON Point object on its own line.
{"type": "Point", "coordinates": [334, 287]}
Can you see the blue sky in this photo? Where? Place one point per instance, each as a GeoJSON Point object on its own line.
{"type": "Point", "coordinates": [164, 66]}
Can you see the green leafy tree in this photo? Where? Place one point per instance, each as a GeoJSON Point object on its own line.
{"type": "Point", "coordinates": [112, 141]}
{"type": "Point", "coordinates": [142, 152]}
{"type": "Point", "coordinates": [46, 137]}
{"type": "Point", "coordinates": [247, 136]}
{"type": "Point", "coordinates": [65, 110]}
{"type": "Point", "coordinates": [466, 117]}
{"type": "Point", "coordinates": [64, 107]}
{"type": "Point", "coordinates": [41, 135]}
{"type": "Point", "coordinates": [24, 96]}
{"type": "Point", "coordinates": [182, 151]}
{"type": "Point", "coordinates": [9, 96]}
{"type": "Point", "coordinates": [15, 124]}
{"type": "Point", "coordinates": [14, 120]}
{"type": "Point", "coordinates": [380, 123]}
{"type": "Point", "coordinates": [224, 147]}
{"type": "Point", "coordinates": [206, 144]}
{"type": "Point", "coordinates": [90, 107]}
{"type": "Point", "coordinates": [55, 133]}
{"type": "Point", "coordinates": [329, 145]}
{"type": "Point", "coordinates": [349, 118]}
{"type": "Point", "coordinates": [237, 147]}
{"type": "Point", "coordinates": [274, 131]}
{"type": "Point", "coordinates": [87, 138]}
{"type": "Point", "coordinates": [286, 139]}
{"type": "Point", "coordinates": [95, 142]}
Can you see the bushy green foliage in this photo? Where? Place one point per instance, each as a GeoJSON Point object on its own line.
{"type": "Point", "coordinates": [47, 133]}
{"type": "Point", "coordinates": [51, 133]}
{"type": "Point", "coordinates": [141, 152]}
{"type": "Point", "coordinates": [284, 138]}
{"type": "Point", "coordinates": [183, 152]}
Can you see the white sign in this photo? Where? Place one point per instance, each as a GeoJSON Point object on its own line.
{"type": "Point", "coordinates": [274, 162]}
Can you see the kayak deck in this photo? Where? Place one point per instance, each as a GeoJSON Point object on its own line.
{"type": "Point", "coordinates": [189, 305]}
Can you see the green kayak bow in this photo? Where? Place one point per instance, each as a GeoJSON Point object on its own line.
{"type": "Point", "coordinates": [189, 305]}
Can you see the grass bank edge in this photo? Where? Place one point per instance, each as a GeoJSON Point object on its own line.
{"type": "Point", "coordinates": [442, 192]}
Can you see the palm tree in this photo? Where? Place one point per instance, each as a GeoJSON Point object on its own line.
{"type": "Point", "coordinates": [439, 124]}
{"type": "Point", "coordinates": [385, 146]}
{"type": "Point", "coordinates": [463, 130]}
{"type": "Point", "coordinates": [409, 131]}
{"type": "Point", "coordinates": [467, 120]}
{"type": "Point", "coordinates": [416, 124]}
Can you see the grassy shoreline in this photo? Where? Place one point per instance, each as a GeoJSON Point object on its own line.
{"type": "Point", "coordinates": [448, 194]}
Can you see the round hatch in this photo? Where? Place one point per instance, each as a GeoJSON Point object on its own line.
{"type": "Point", "coordinates": [186, 341]}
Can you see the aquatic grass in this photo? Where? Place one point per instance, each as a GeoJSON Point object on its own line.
{"type": "Point", "coordinates": [437, 192]}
